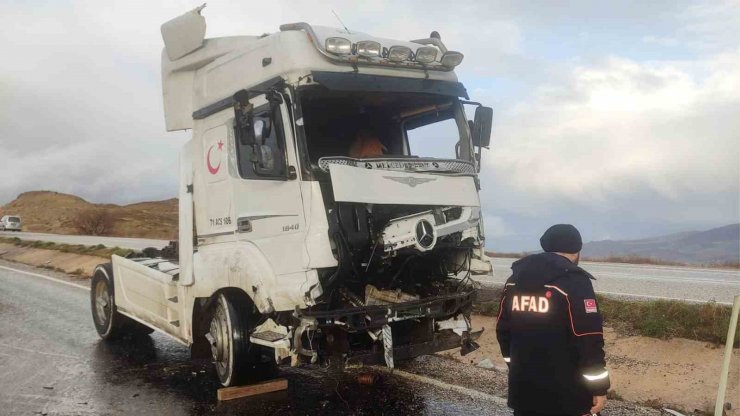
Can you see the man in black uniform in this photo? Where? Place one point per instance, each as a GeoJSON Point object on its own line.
{"type": "Point", "coordinates": [550, 334]}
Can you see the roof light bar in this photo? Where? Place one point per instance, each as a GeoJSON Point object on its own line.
{"type": "Point", "coordinates": [339, 46]}
{"type": "Point", "coordinates": [368, 48]}
{"type": "Point", "coordinates": [451, 59]}
{"type": "Point", "coordinates": [426, 54]}
{"type": "Point", "coordinates": [399, 53]}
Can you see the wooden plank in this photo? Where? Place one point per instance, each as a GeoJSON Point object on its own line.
{"type": "Point", "coordinates": [230, 393]}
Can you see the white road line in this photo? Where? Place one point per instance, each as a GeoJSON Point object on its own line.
{"type": "Point", "coordinates": [53, 279]}
{"type": "Point", "coordinates": [443, 385]}
{"type": "Point", "coordinates": [630, 295]}
{"type": "Point", "coordinates": [38, 352]}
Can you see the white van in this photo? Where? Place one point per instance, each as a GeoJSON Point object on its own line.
{"type": "Point", "coordinates": [10, 223]}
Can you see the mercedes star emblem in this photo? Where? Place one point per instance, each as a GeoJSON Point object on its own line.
{"type": "Point", "coordinates": [425, 234]}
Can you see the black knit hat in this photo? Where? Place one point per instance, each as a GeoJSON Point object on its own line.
{"type": "Point", "coordinates": [561, 238]}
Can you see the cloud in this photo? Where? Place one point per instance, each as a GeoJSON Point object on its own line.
{"type": "Point", "coordinates": [80, 93]}
{"type": "Point", "coordinates": [621, 125]}
{"type": "Point", "coordinates": [657, 141]}
{"type": "Point", "coordinates": [586, 127]}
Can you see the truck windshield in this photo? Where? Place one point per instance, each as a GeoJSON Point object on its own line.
{"type": "Point", "coordinates": [14, 219]}
{"type": "Point", "coordinates": [365, 125]}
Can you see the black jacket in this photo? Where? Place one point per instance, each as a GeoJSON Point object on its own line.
{"type": "Point", "coordinates": [550, 332]}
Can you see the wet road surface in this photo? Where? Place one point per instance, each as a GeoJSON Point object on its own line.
{"type": "Point", "coordinates": [648, 281]}
{"type": "Point", "coordinates": [52, 362]}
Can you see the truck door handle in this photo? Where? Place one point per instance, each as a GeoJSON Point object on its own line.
{"type": "Point", "coordinates": [243, 225]}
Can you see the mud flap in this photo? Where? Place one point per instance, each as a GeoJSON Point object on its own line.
{"type": "Point", "coordinates": [388, 345]}
{"type": "Point", "coordinates": [468, 342]}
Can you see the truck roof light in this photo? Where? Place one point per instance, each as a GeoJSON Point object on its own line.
{"type": "Point", "coordinates": [339, 46]}
{"type": "Point", "coordinates": [451, 58]}
{"type": "Point", "coordinates": [399, 53]}
{"type": "Point", "coordinates": [368, 48]}
{"type": "Point", "coordinates": [426, 54]}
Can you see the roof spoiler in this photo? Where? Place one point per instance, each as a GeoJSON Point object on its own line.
{"type": "Point", "coordinates": [184, 34]}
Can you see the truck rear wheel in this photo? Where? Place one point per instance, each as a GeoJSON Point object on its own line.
{"type": "Point", "coordinates": [233, 354]}
{"type": "Point", "coordinates": [109, 323]}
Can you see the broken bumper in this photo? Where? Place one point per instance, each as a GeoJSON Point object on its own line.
{"type": "Point", "coordinates": [399, 331]}
{"type": "Point", "coordinates": [442, 341]}
{"type": "Point", "coordinates": [374, 317]}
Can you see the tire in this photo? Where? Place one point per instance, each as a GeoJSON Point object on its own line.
{"type": "Point", "coordinates": [109, 323]}
{"type": "Point", "coordinates": [233, 355]}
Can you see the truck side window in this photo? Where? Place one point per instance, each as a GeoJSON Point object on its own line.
{"type": "Point", "coordinates": [271, 163]}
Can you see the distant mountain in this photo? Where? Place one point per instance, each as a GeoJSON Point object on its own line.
{"type": "Point", "coordinates": [718, 245]}
{"type": "Point", "coordinates": [54, 212]}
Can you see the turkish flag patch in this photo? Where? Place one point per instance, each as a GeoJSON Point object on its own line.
{"type": "Point", "coordinates": [590, 305]}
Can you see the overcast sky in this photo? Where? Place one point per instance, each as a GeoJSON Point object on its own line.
{"type": "Point", "coordinates": [622, 118]}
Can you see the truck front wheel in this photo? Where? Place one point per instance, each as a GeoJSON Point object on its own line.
{"type": "Point", "coordinates": [233, 354]}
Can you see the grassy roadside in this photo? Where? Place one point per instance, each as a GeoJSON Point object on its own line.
{"type": "Point", "coordinates": [99, 250]}
{"type": "Point", "coordinates": [663, 319]}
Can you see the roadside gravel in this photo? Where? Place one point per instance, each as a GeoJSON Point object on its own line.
{"type": "Point", "coordinates": [494, 381]}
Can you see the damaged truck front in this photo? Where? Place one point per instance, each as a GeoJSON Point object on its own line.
{"type": "Point", "coordinates": [329, 207]}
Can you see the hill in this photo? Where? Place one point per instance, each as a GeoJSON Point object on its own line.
{"type": "Point", "coordinates": [715, 246]}
{"type": "Point", "coordinates": [54, 212]}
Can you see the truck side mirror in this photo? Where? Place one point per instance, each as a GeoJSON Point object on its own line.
{"type": "Point", "coordinates": [244, 127]}
{"type": "Point", "coordinates": [482, 125]}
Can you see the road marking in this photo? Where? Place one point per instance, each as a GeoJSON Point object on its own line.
{"type": "Point", "coordinates": [53, 279]}
{"type": "Point", "coordinates": [630, 295]}
{"type": "Point", "coordinates": [443, 385]}
{"type": "Point", "coordinates": [38, 352]}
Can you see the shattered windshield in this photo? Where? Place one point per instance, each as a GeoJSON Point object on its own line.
{"type": "Point", "coordinates": [367, 125]}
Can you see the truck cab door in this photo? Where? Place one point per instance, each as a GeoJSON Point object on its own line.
{"type": "Point", "coordinates": [258, 205]}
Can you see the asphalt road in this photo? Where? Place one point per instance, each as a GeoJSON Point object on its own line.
{"type": "Point", "coordinates": [648, 281]}
{"type": "Point", "coordinates": [53, 363]}
{"type": "Point", "coordinates": [132, 243]}
{"type": "Point", "coordinates": [631, 280]}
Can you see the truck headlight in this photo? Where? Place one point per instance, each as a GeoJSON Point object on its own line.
{"type": "Point", "coordinates": [339, 46]}
{"type": "Point", "coordinates": [399, 53]}
{"type": "Point", "coordinates": [451, 59]}
{"type": "Point", "coordinates": [368, 48]}
{"type": "Point", "coordinates": [426, 54]}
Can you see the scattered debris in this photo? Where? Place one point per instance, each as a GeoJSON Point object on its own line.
{"type": "Point", "coordinates": [375, 296]}
{"type": "Point", "coordinates": [229, 393]}
{"type": "Point", "coordinates": [486, 363]}
{"type": "Point", "coordinates": [368, 379]}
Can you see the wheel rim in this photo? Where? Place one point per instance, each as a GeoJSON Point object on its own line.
{"type": "Point", "coordinates": [102, 303]}
{"type": "Point", "coordinates": [220, 341]}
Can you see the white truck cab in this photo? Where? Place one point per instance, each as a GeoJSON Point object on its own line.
{"type": "Point", "coordinates": [313, 224]}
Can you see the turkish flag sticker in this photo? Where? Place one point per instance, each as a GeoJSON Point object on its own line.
{"type": "Point", "coordinates": [590, 305]}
